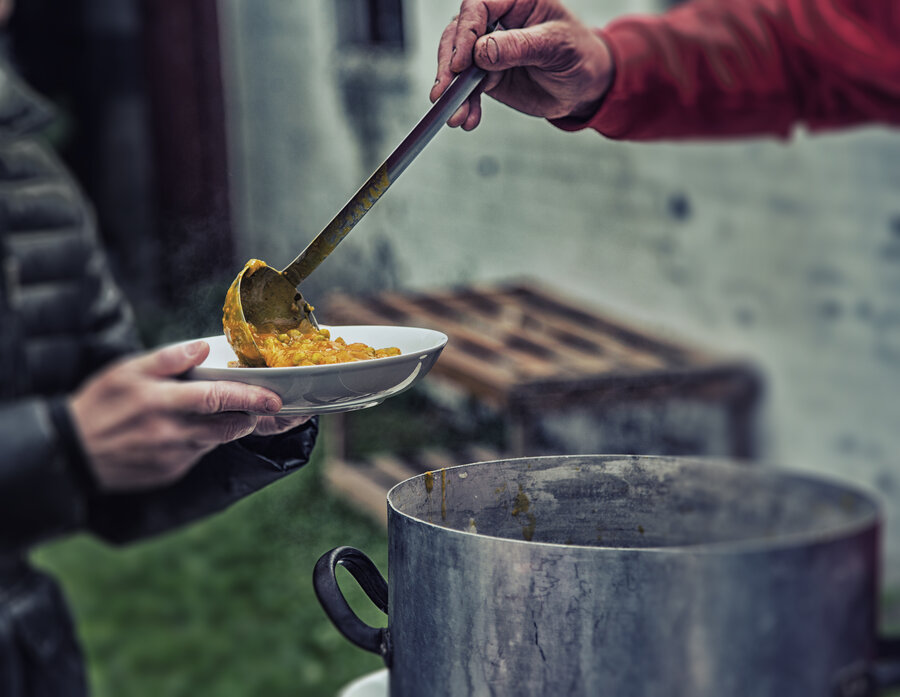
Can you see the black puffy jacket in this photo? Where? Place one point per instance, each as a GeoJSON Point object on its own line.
{"type": "Point", "coordinates": [62, 319]}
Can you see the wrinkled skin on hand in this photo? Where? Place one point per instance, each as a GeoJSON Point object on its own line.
{"type": "Point", "coordinates": [141, 427]}
{"type": "Point", "coordinates": [546, 63]}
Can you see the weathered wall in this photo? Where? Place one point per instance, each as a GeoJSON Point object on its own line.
{"type": "Point", "coordinates": [785, 252]}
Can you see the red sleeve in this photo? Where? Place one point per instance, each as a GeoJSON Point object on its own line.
{"type": "Point", "coordinates": [725, 68]}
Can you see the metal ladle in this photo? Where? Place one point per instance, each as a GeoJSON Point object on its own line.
{"type": "Point", "coordinates": [266, 298]}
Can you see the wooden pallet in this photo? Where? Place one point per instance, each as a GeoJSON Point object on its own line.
{"type": "Point", "coordinates": [513, 338]}
{"type": "Point", "coordinates": [532, 355]}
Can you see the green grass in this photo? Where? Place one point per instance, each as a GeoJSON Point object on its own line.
{"type": "Point", "coordinates": [224, 607]}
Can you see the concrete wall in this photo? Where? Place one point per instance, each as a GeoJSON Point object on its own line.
{"type": "Point", "coordinates": [788, 253]}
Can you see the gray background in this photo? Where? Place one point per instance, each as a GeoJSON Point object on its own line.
{"type": "Point", "coordinates": [784, 252]}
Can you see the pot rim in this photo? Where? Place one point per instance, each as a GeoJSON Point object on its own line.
{"type": "Point", "coordinates": [869, 521]}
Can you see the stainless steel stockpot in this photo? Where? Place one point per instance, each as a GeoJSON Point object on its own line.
{"type": "Point", "coordinates": [622, 575]}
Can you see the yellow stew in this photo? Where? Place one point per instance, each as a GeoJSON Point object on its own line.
{"type": "Point", "coordinates": [293, 348]}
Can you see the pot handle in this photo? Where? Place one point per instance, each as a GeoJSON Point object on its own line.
{"type": "Point", "coordinates": [335, 605]}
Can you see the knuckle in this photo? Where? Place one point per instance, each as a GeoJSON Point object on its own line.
{"type": "Point", "coordinates": [214, 398]}
{"type": "Point", "coordinates": [530, 45]}
{"type": "Point", "coordinates": [166, 431]}
{"type": "Point", "coordinates": [128, 408]}
{"type": "Point", "coordinates": [555, 49]}
{"type": "Point", "coordinates": [237, 426]}
{"type": "Point", "coordinates": [114, 381]}
{"type": "Point", "coordinates": [145, 402]}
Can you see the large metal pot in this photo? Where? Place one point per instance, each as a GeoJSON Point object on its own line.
{"type": "Point", "coordinates": [615, 575]}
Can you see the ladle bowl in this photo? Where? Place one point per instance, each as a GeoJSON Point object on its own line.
{"type": "Point", "coordinates": [262, 297]}
{"type": "Point", "coordinates": [266, 298]}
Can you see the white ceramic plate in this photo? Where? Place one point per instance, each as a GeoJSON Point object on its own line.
{"type": "Point", "coordinates": [321, 389]}
{"type": "Point", "coordinates": [371, 685]}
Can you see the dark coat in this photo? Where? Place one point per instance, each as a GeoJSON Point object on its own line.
{"type": "Point", "coordinates": [63, 318]}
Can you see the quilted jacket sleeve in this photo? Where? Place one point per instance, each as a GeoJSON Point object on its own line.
{"type": "Point", "coordinates": [226, 475]}
{"type": "Point", "coordinates": [40, 496]}
{"type": "Point", "coordinates": [65, 319]}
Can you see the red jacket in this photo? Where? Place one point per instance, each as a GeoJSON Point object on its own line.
{"type": "Point", "coordinates": [725, 68]}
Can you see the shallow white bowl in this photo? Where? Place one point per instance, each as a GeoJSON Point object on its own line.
{"type": "Point", "coordinates": [320, 389]}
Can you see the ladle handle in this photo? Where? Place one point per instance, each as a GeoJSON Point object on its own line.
{"type": "Point", "coordinates": [460, 89]}
{"type": "Point", "coordinates": [335, 605]}
{"type": "Point", "coordinates": [324, 243]}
